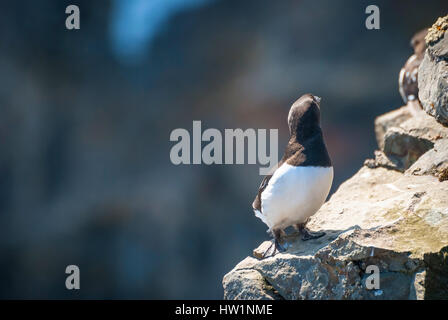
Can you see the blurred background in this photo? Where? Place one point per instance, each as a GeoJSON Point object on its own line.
{"type": "Point", "coordinates": [86, 115]}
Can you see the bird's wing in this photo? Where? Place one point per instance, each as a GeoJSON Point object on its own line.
{"type": "Point", "coordinates": [256, 205]}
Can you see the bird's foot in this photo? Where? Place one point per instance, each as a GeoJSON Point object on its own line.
{"type": "Point", "coordinates": [278, 248]}
{"type": "Point", "coordinates": [265, 254]}
{"type": "Point", "coordinates": [279, 235]}
{"type": "Point", "coordinates": [310, 235]}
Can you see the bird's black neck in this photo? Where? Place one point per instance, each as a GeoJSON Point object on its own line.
{"type": "Point", "coordinates": [307, 150]}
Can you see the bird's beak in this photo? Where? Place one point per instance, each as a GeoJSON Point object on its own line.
{"type": "Point", "coordinates": [318, 99]}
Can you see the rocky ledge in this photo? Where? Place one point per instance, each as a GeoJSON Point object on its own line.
{"type": "Point", "coordinates": [433, 72]}
{"type": "Point", "coordinates": [393, 213]}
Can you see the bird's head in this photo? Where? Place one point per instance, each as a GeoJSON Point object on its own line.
{"type": "Point", "coordinates": [418, 42]}
{"type": "Point", "coordinates": [304, 116]}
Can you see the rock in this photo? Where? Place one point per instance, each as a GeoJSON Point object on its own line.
{"type": "Point", "coordinates": [433, 72]}
{"type": "Point", "coordinates": [403, 148]}
{"type": "Point", "coordinates": [256, 289]}
{"type": "Point", "coordinates": [418, 288]}
{"type": "Point", "coordinates": [404, 135]}
{"type": "Point", "coordinates": [393, 214]}
{"type": "Point", "coordinates": [381, 217]}
{"type": "Point", "coordinates": [391, 119]}
{"type": "Point", "coordinates": [434, 162]}
{"type": "Point", "coordinates": [439, 50]}
{"type": "Point", "coordinates": [262, 249]}
{"type": "Point", "coordinates": [381, 160]}
{"type": "Point", "coordinates": [424, 127]}
{"type": "Point", "coordinates": [437, 31]}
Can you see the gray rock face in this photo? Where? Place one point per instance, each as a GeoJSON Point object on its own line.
{"type": "Point", "coordinates": [389, 120]}
{"type": "Point", "coordinates": [403, 135]}
{"type": "Point", "coordinates": [256, 289]}
{"type": "Point", "coordinates": [392, 214]}
{"type": "Point", "coordinates": [397, 222]}
{"type": "Point", "coordinates": [404, 148]}
{"type": "Point", "coordinates": [433, 162]}
{"type": "Point", "coordinates": [433, 72]}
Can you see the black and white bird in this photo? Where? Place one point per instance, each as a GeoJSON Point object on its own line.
{"type": "Point", "coordinates": [408, 77]}
{"type": "Point", "coordinates": [301, 183]}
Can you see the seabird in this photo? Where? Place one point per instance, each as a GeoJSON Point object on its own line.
{"type": "Point", "coordinates": [301, 183]}
{"type": "Point", "coordinates": [407, 79]}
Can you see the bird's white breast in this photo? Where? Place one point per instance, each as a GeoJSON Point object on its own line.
{"type": "Point", "coordinates": [293, 194]}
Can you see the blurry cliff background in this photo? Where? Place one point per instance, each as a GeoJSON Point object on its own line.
{"type": "Point", "coordinates": [86, 115]}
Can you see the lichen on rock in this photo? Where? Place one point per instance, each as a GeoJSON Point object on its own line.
{"type": "Point", "coordinates": [436, 32]}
